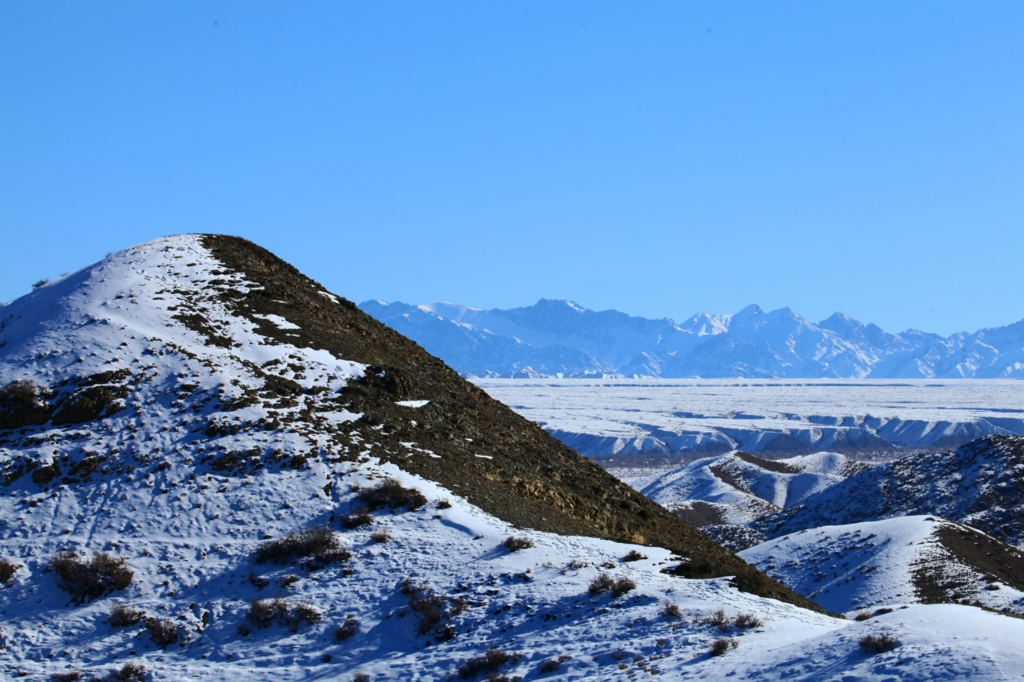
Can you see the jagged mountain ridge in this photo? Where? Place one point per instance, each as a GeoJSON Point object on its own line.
{"type": "Point", "coordinates": [553, 338]}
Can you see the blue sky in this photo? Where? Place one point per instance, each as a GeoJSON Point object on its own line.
{"type": "Point", "coordinates": [656, 158]}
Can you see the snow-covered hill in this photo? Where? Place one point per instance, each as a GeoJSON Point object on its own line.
{"type": "Point", "coordinates": [738, 487]}
{"type": "Point", "coordinates": [978, 484]}
{"type": "Point", "coordinates": [884, 564]}
{"type": "Point", "coordinates": [561, 338]}
{"type": "Point", "coordinates": [211, 472]}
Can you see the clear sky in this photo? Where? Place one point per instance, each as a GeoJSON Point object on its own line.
{"type": "Point", "coordinates": [656, 158]}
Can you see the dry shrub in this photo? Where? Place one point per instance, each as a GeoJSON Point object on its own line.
{"type": "Point", "coordinates": [68, 676]}
{"type": "Point", "coordinates": [302, 613]}
{"type": "Point", "coordinates": [7, 570]}
{"type": "Point", "coordinates": [380, 536]}
{"type": "Point", "coordinates": [391, 494]}
{"type": "Point", "coordinates": [488, 662]}
{"type": "Point", "coordinates": [265, 612]}
{"type": "Point", "coordinates": [346, 629]}
{"type": "Point", "coordinates": [671, 610]}
{"type": "Point", "coordinates": [357, 518]}
{"type": "Point", "coordinates": [319, 546]}
{"type": "Point", "coordinates": [18, 395]}
{"type": "Point", "coordinates": [289, 580]}
{"type": "Point", "coordinates": [863, 615]}
{"type": "Point", "coordinates": [744, 621]}
{"type": "Point", "coordinates": [91, 578]}
{"type": "Point", "coordinates": [721, 645]}
{"type": "Point", "coordinates": [129, 672]}
{"type": "Point", "coordinates": [163, 631]}
{"type": "Point", "coordinates": [514, 544]}
{"type": "Point", "coordinates": [634, 555]}
{"type": "Point", "coordinates": [717, 619]}
{"type": "Point", "coordinates": [360, 677]}
{"type": "Point", "coordinates": [122, 616]}
{"type": "Point", "coordinates": [877, 644]}
{"type": "Point", "coordinates": [548, 666]}
{"type": "Point", "coordinates": [601, 583]}
{"type": "Point", "coordinates": [621, 586]}
{"type": "Point", "coordinates": [258, 581]}
{"type": "Point", "coordinates": [430, 607]}
{"type": "Point", "coordinates": [443, 504]}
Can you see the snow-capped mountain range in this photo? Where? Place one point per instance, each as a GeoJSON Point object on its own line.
{"type": "Point", "coordinates": [560, 338]}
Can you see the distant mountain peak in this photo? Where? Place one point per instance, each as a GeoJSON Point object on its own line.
{"type": "Point", "coordinates": [558, 337]}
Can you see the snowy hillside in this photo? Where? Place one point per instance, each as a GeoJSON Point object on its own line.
{"type": "Point", "coordinates": [561, 338]}
{"type": "Point", "coordinates": [741, 487]}
{"type": "Point", "coordinates": [627, 416]}
{"type": "Point", "coordinates": [215, 469]}
{"type": "Point", "coordinates": [978, 484]}
{"type": "Point", "coordinates": [905, 560]}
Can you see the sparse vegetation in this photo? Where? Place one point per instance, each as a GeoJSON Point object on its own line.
{"type": "Point", "coordinates": [39, 283]}
{"type": "Point", "coordinates": [716, 619]}
{"type": "Point", "coordinates": [258, 581]}
{"type": "Point", "coordinates": [671, 611]}
{"type": "Point", "coordinates": [122, 615]}
{"type": "Point", "coordinates": [552, 664]}
{"type": "Point", "coordinates": [68, 676]}
{"type": "Point", "coordinates": [430, 608]}
{"type": "Point", "coordinates": [721, 645]}
{"type": "Point", "coordinates": [319, 546]}
{"type": "Point", "coordinates": [346, 629]}
{"type": "Point", "coordinates": [634, 555]}
{"type": "Point", "coordinates": [391, 494]}
{"type": "Point", "coordinates": [91, 578]}
{"type": "Point", "coordinates": [7, 570]}
{"type": "Point", "coordinates": [357, 518]}
{"type": "Point", "coordinates": [289, 580]}
{"type": "Point", "coordinates": [443, 504]}
{"type": "Point", "coordinates": [515, 543]}
{"type": "Point", "coordinates": [745, 621]}
{"type": "Point", "coordinates": [600, 584]}
{"type": "Point", "coordinates": [488, 662]}
{"type": "Point", "coordinates": [604, 583]}
{"type": "Point", "coordinates": [18, 395]}
{"type": "Point", "coordinates": [877, 644]}
{"type": "Point", "coordinates": [163, 631]}
{"type": "Point", "coordinates": [576, 564]}
{"type": "Point", "coordinates": [380, 536]}
{"type": "Point", "coordinates": [266, 612]}
{"type": "Point", "coordinates": [360, 677]}
{"type": "Point", "coordinates": [129, 672]}
{"type": "Point", "coordinates": [622, 586]}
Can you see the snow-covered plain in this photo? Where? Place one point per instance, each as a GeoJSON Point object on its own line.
{"type": "Point", "coordinates": [627, 416]}
{"type": "Point", "coordinates": [137, 482]}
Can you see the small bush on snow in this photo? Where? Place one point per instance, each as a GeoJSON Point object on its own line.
{"type": "Point", "coordinates": [721, 645]}
{"type": "Point", "coordinates": [515, 543]}
{"type": "Point", "coordinates": [91, 578]}
{"type": "Point", "coordinates": [346, 629]}
{"type": "Point", "coordinates": [634, 555]}
{"type": "Point", "coordinates": [122, 615]}
{"type": "Point", "coordinates": [320, 544]}
{"type": "Point", "coordinates": [671, 610]}
{"type": "Point", "coordinates": [488, 662]}
{"type": "Point", "coordinates": [163, 631]}
{"type": "Point", "coordinates": [7, 570]}
{"type": "Point", "coordinates": [877, 644]}
{"type": "Point", "coordinates": [391, 494]}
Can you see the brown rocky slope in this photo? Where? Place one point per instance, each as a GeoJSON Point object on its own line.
{"type": "Point", "coordinates": [499, 461]}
